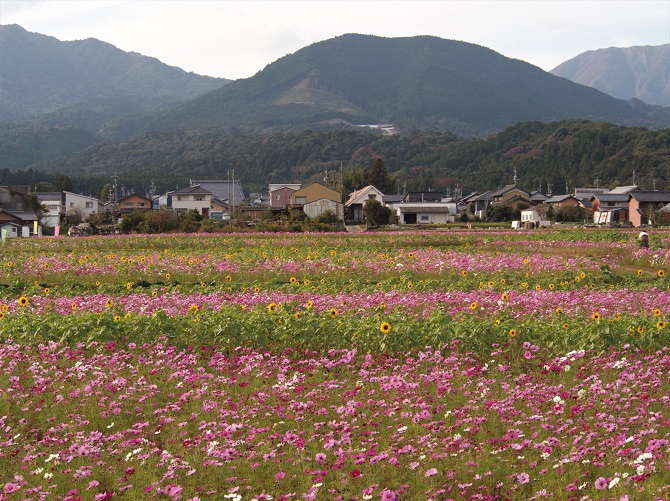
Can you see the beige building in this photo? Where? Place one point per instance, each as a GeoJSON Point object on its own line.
{"type": "Point", "coordinates": [314, 192]}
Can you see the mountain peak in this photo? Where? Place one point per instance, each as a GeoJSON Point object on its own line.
{"type": "Point", "coordinates": [623, 72]}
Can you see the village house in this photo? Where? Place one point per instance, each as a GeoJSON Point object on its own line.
{"type": "Point", "coordinates": [19, 223]}
{"type": "Point", "coordinates": [426, 212]}
{"type": "Point", "coordinates": [316, 198]}
{"type": "Point", "coordinates": [134, 202]}
{"type": "Point", "coordinates": [563, 201]}
{"type": "Point", "coordinates": [54, 203]}
{"type": "Point", "coordinates": [357, 200]}
{"type": "Point", "coordinates": [510, 193]}
{"type": "Point", "coordinates": [191, 198]}
{"type": "Point", "coordinates": [643, 205]}
{"type": "Point", "coordinates": [280, 194]}
{"type": "Point", "coordinates": [80, 206]}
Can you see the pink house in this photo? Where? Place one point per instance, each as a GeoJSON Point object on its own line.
{"type": "Point", "coordinates": [280, 195]}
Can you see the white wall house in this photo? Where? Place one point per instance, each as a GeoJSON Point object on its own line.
{"type": "Point", "coordinates": [53, 201]}
{"type": "Point", "coordinates": [357, 201]}
{"type": "Point", "coordinates": [532, 216]}
{"type": "Point", "coordinates": [191, 198]}
{"type": "Point", "coordinates": [80, 204]}
{"type": "Point", "coordinates": [426, 212]}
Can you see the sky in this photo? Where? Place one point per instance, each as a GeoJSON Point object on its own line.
{"type": "Point", "coordinates": [236, 39]}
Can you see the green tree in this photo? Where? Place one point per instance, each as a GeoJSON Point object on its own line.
{"type": "Point", "coordinates": [379, 176]}
{"type": "Point", "coordinates": [105, 193]}
{"type": "Point", "coordinates": [376, 214]}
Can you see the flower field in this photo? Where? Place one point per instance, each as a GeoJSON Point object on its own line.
{"type": "Point", "coordinates": [419, 365]}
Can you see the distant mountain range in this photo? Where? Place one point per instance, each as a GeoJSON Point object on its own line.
{"type": "Point", "coordinates": [624, 73]}
{"type": "Point", "coordinates": [42, 75]}
{"type": "Point", "coordinates": [88, 109]}
{"type": "Point", "coordinates": [421, 83]}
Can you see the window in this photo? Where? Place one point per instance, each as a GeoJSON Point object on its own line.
{"type": "Point", "coordinates": [129, 204]}
{"type": "Point", "coordinates": [277, 197]}
{"type": "Point", "coordinates": [179, 199]}
{"type": "Point", "coordinates": [71, 204]}
{"type": "Point", "coordinates": [142, 204]}
{"type": "Point", "coordinates": [199, 198]}
{"type": "Point", "coordinates": [424, 218]}
{"type": "Point", "coordinates": [301, 200]}
{"type": "Point", "coordinates": [89, 205]}
{"type": "Point", "coordinates": [372, 196]}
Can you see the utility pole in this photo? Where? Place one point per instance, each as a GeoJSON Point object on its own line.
{"type": "Point", "coordinates": [113, 200]}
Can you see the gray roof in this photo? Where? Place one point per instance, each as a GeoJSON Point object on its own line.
{"type": "Point", "coordinates": [611, 197]}
{"type": "Point", "coordinates": [23, 215]}
{"type": "Point", "coordinates": [414, 209]}
{"type": "Point", "coordinates": [507, 188]}
{"type": "Point", "coordinates": [222, 189]}
{"type": "Point", "coordinates": [651, 196]}
{"type": "Point", "coordinates": [559, 198]}
{"type": "Point", "coordinates": [191, 190]}
{"type": "Point", "coordinates": [486, 196]}
{"type": "Point", "coordinates": [50, 195]}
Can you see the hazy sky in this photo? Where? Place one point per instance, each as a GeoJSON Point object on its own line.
{"type": "Point", "coordinates": [236, 39]}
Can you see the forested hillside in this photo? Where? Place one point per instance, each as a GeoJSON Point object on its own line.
{"type": "Point", "coordinates": [575, 151]}
{"type": "Point", "coordinates": [416, 83]}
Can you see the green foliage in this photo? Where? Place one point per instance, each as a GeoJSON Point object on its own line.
{"type": "Point", "coordinates": [547, 154]}
{"type": "Point", "coordinates": [376, 214]}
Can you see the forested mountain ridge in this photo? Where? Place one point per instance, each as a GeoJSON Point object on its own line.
{"type": "Point", "coordinates": [41, 74]}
{"type": "Point", "coordinates": [623, 72]}
{"type": "Point", "coordinates": [416, 83]}
{"type": "Point", "coordinates": [575, 151]}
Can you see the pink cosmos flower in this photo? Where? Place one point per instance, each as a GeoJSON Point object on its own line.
{"type": "Point", "coordinates": [601, 483]}
{"type": "Point", "coordinates": [11, 487]}
{"type": "Point", "coordinates": [388, 495]}
{"type": "Point", "coordinates": [280, 475]}
{"type": "Point", "coordinates": [431, 472]}
{"type": "Point", "coordinates": [523, 478]}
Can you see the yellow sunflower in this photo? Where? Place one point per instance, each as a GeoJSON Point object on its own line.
{"type": "Point", "coordinates": [473, 305]}
{"type": "Point", "coordinates": [640, 273]}
{"type": "Point", "coordinates": [596, 316]}
{"type": "Point", "coordinates": [660, 273]}
{"type": "Point", "coordinates": [272, 307]}
{"type": "Point", "coordinates": [333, 312]}
{"type": "Point", "coordinates": [512, 333]}
{"type": "Point", "coordinates": [660, 325]}
{"type": "Point", "coordinates": [385, 327]}
{"type": "Point", "coordinates": [505, 296]}
{"type": "Point", "coordinates": [23, 301]}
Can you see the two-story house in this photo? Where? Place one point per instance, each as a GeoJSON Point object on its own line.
{"type": "Point", "coordinates": [79, 205]}
{"type": "Point", "coordinates": [280, 194]}
{"type": "Point", "coordinates": [316, 199]}
{"type": "Point", "coordinates": [357, 200]}
{"type": "Point", "coordinates": [134, 202]}
{"type": "Point", "coordinates": [191, 198]}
